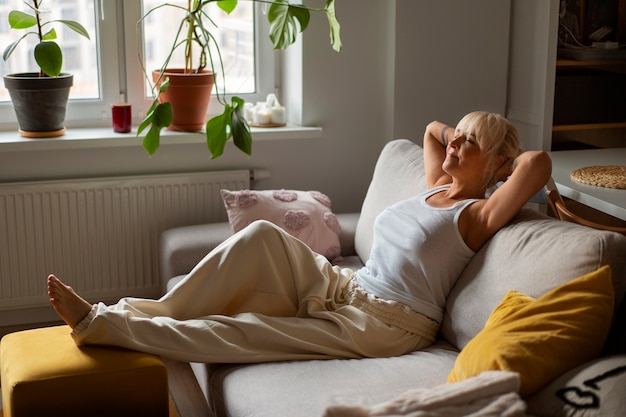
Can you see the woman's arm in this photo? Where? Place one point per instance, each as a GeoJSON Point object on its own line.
{"type": "Point", "coordinates": [481, 220]}
{"type": "Point", "coordinates": [436, 139]}
{"type": "Point", "coordinates": [531, 172]}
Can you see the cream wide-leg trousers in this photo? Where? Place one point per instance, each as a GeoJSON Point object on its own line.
{"type": "Point", "coordinates": [261, 295]}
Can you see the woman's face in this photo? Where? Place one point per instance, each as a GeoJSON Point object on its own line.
{"type": "Point", "coordinates": [464, 157]}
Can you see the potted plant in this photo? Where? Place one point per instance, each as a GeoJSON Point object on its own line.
{"type": "Point", "coordinates": [286, 21]}
{"type": "Point", "coordinates": [40, 98]}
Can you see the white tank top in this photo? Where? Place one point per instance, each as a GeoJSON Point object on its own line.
{"type": "Point", "coordinates": [417, 254]}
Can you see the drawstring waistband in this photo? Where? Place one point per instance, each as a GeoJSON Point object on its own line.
{"type": "Point", "coordinates": [392, 313]}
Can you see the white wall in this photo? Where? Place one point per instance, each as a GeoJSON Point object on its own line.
{"type": "Point", "coordinates": [452, 58]}
{"type": "Point", "coordinates": [530, 104]}
{"type": "Point", "coordinates": [457, 56]}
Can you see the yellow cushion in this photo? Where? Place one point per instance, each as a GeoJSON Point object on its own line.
{"type": "Point", "coordinates": [542, 338]}
{"type": "Point", "coordinates": [44, 373]}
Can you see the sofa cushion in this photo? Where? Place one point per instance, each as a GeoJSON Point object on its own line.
{"type": "Point", "coordinates": [307, 388]}
{"type": "Point", "coordinates": [594, 389]}
{"type": "Point", "coordinates": [398, 175]}
{"type": "Point", "coordinates": [306, 215]}
{"type": "Point", "coordinates": [532, 255]}
{"type": "Point", "coordinates": [181, 248]}
{"type": "Point", "coordinates": [542, 338]}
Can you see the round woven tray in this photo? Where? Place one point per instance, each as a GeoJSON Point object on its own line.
{"type": "Point", "coordinates": [609, 176]}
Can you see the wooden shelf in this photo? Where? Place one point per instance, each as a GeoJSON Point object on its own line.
{"type": "Point", "coordinates": [607, 66]}
{"type": "Point", "coordinates": [588, 126]}
{"type": "Point", "coordinates": [589, 108]}
{"type": "Point", "coordinates": [564, 63]}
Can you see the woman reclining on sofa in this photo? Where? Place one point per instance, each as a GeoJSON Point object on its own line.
{"type": "Point", "coordinates": [263, 295]}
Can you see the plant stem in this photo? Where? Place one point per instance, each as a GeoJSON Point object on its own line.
{"type": "Point", "coordinates": [39, 32]}
{"type": "Point", "coordinates": [189, 44]}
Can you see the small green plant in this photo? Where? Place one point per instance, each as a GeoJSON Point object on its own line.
{"type": "Point", "coordinates": [47, 52]}
{"type": "Point", "coordinates": [286, 21]}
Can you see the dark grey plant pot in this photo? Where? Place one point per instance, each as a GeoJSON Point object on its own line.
{"type": "Point", "coordinates": [39, 102]}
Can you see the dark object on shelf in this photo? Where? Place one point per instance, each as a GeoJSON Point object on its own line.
{"type": "Point", "coordinates": [589, 97]}
{"type": "Point", "coordinates": [591, 54]}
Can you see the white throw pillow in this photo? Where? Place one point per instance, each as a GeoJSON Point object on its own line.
{"type": "Point", "coordinates": [594, 389]}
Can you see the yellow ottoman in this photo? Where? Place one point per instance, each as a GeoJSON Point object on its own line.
{"type": "Point", "coordinates": [43, 373]}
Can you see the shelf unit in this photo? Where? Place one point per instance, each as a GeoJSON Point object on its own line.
{"type": "Point", "coordinates": [589, 104]}
{"type": "Point", "coordinates": [593, 112]}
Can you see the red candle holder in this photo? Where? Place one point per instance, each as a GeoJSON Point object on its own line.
{"type": "Point", "coordinates": [122, 117]}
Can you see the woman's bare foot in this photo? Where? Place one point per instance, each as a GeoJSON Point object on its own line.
{"type": "Point", "coordinates": [71, 307]}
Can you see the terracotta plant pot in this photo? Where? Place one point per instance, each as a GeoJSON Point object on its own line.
{"type": "Point", "coordinates": [39, 102]}
{"type": "Point", "coordinates": [189, 95]}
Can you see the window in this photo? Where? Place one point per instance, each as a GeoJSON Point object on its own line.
{"type": "Point", "coordinates": [234, 33]}
{"type": "Point", "coordinates": [107, 68]}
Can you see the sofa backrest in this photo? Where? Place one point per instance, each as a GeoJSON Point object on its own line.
{"type": "Point", "coordinates": [398, 175]}
{"type": "Point", "coordinates": [533, 254]}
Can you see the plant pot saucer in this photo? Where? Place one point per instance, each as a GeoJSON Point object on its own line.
{"type": "Point", "coordinates": [38, 135]}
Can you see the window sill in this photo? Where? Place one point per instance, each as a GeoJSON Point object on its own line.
{"type": "Point", "coordinates": [85, 138]}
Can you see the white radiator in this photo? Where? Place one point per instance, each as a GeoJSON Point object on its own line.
{"type": "Point", "coordinates": [99, 235]}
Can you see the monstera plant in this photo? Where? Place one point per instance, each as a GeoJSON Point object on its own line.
{"type": "Point", "coordinates": [196, 29]}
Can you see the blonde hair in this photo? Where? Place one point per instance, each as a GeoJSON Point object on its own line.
{"type": "Point", "coordinates": [496, 137]}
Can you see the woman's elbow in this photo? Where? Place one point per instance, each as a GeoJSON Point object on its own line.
{"type": "Point", "coordinates": [541, 164]}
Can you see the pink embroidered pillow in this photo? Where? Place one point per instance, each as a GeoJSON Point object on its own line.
{"type": "Point", "coordinates": [303, 214]}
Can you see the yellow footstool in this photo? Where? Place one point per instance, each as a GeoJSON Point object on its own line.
{"type": "Point", "coordinates": [43, 373]}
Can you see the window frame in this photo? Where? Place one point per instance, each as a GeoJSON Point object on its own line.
{"type": "Point", "coordinates": [121, 74]}
{"type": "Point", "coordinates": [88, 112]}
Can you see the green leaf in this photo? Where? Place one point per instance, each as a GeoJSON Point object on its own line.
{"type": "Point", "coordinates": [160, 117]}
{"type": "Point", "coordinates": [333, 23]}
{"type": "Point", "coordinates": [227, 5]}
{"type": "Point", "coordinates": [76, 27]}
{"type": "Point", "coordinates": [49, 57]}
{"type": "Point", "coordinates": [231, 122]}
{"type": "Point", "coordinates": [164, 85]}
{"type": "Point", "coordinates": [240, 129]}
{"type": "Point", "coordinates": [148, 119]}
{"type": "Point", "coordinates": [152, 140]}
{"type": "Point", "coordinates": [286, 20]}
{"type": "Point", "coordinates": [144, 124]}
{"type": "Point", "coordinates": [21, 20]}
{"type": "Point", "coordinates": [9, 49]}
{"type": "Point", "coordinates": [163, 115]}
{"type": "Point", "coordinates": [50, 35]}
{"type": "Point", "coordinates": [217, 132]}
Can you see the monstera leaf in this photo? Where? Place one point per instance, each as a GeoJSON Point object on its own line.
{"type": "Point", "coordinates": [287, 20]}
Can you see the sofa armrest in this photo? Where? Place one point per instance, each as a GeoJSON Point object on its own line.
{"type": "Point", "coordinates": [348, 222]}
{"type": "Point", "coordinates": [181, 248]}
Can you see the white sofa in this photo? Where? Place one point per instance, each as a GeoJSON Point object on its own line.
{"type": "Point", "coordinates": [533, 254]}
